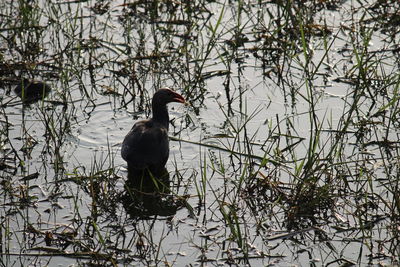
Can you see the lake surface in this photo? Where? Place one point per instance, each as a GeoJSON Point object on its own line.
{"type": "Point", "coordinates": [286, 153]}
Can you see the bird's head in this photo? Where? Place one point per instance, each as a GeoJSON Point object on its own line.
{"type": "Point", "coordinates": [166, 95]}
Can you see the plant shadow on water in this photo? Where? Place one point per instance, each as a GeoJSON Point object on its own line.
{"type": "Point", "coordinates": [287, 153]}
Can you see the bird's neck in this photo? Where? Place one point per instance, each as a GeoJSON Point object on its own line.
{"type": "Point", "coordinates": [160, 114]}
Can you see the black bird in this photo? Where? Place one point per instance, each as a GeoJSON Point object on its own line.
{"type": "Point", "coordinates": [146, 146]}
{"type": "Point", "coordinates": [31, 90]}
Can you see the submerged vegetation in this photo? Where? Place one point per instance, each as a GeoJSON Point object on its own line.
{"type": "Point", "coordinates": [287, 153]}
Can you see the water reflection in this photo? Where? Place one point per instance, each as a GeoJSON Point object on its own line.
{"type": "Point", "coordinates": [148, 194]}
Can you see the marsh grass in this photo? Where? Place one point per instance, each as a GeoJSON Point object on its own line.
{"type": "Point", "coordinates": [293, 119]}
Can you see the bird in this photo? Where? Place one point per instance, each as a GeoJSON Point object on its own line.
{"type": "Point", "coordinates": [146, 146]}
{"type": "Point", "coordinates": [31, 90]}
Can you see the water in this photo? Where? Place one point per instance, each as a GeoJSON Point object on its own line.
{"type": "Point", "coordinates": [245, 79]}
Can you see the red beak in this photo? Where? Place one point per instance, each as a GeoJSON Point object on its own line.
{"type": "Point", "coordinates": [178, 98]}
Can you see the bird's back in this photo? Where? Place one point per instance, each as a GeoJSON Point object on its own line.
{"type": "Point", "coordinates": [146, 145]}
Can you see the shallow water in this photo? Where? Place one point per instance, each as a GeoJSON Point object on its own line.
{"type": "Point", "coordinates": [244, 73]}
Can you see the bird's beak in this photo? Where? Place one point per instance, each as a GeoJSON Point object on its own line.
{"type": "Point", "coordinates": [179, 98]}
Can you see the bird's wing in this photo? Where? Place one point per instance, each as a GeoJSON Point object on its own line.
{"type": "Point", "coordinates": [146, 144]}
